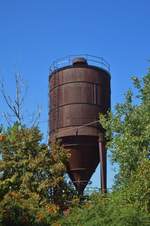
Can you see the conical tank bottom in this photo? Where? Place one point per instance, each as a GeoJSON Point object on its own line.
{"type": "Point", "coordinates": [80, 179]}
{"type": "Point", "coordinates": [82, 164]}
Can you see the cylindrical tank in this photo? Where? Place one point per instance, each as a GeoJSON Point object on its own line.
{"type": "Point", "coordinates": [79, 91]}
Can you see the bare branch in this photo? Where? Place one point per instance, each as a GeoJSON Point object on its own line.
{"type": "Point", "coordinates": [7, 98]}
{"type": "Point", "coordinates": [16, 104]}
{"type": "Point", "coordinates": [36, 116]}
{"type": "Point", "coordinates": [7, 118]}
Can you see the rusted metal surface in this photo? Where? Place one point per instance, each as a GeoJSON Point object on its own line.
{"type": "Point", "coordinates": [103, 165]}
{"type": "Point", "coordinates": [78, 93]}
{"type": "Point", "coordinates": [84, 159]}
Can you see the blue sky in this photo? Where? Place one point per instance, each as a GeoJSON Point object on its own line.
{"type": "Point", "coordinates": [33, 33]}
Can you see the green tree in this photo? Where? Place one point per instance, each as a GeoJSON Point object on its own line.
{"type": "Point", "coordinates": [111, 210]}
{"type": "Point", "coordinates": [30, 175]}
{"type": "Point", "coordinates": [128, 130]}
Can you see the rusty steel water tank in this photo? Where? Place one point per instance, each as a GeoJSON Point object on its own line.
{"type": "Point", "coordinates": [79, 91]}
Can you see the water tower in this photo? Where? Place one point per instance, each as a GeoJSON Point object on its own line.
{"type": "Point", "coordinates": [79, 89]}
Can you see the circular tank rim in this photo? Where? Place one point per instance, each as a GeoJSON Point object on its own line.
{"type": "Point", "coordinates": [79, 66]}
{"type": "Point", "coordinates": [88, 58]}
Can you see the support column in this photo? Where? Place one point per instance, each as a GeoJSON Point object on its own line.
{"type": "Point", "coordinates": [103, 163]}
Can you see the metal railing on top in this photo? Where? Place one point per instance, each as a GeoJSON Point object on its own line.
{"type": "Point", "coordinates": [91, 60]}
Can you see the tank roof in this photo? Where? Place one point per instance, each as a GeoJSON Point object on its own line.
{"type": "Point", "coordinates": [82, 59]}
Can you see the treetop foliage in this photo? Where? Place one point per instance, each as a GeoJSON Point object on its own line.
{"type": "Point", "coordinates": [30, 175]}
{"type": "Point", "coordinates": [128, 130]}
